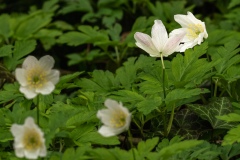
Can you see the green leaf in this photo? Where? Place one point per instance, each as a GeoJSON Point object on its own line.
{"type": "Point", "coordinates": [187, 124]}
{"type": "Point", "coordinates": [5, 29]}
{"type": "Point", "coordinates": [32, 24]}
{"type": "Point", "coordinates": [191, 68]}
{"type": "Point", "coordinates": [232, 136]}
{"type": "Point", "coordinates": [231, 117]}
{"type": "Point", "coordinates": [128, 96]}
{"type": "Point", "coordinates": [96, 138]}
{"type": "Point", "coordinates": [77, 5]}
{"type": "Point", "coordinates": [81, 118]}
{"type": "Point", "coordinates": [21, 49]}
{"type": "Point", "coordinates": [6, 51]}
{"type": "Point", "coordinates": [233, 3]}
{"type": "Point", "coordinates": [65, 81]}
{"type": "Point", "coordinates": [176, 148]}
{"type": "Point", "coordinates": [178, 94]}
{"type": "Point", "coordinates": [144, 148]}
{"type": "Point", "coordinates": [227, 56]}
{"type": "Point", "coordinates": [208, 112]}
{"type": "Point", "coordinates": [149, 104]}
{"type": "Point", "coordinates": [73, 38]}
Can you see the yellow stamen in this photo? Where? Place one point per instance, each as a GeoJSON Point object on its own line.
{"type": "Point", "coordinates": [31, 139]}
{"type": "Point", "coordinates": [36, 77]}
{"type": "Point", "coordinates": [118, 119]}
{"type": "Point", "coordinates": [194, 30]}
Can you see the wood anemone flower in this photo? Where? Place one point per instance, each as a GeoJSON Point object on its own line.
{"type": "Point", "coordinates": [194, 28]}
{"type": "Point", "coordinates": [29, 140]}
{"type": "Point", "coordinates": [160, 42]}
{"type": "Point", "coordinates": [37, 76]}
{"type": "Point", "coordinates": [116, 118]}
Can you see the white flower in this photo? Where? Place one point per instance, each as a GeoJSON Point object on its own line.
{"type": "Point", "coordinates": [194, 28]}
{"type": "Point", "coordinates": [37, 76]}
{"type": "Point", "coordinates": [116, 118]}
{"type": "Point", "coordinates": [159, 43]}
{"type": "Point", "coordinates": [28, 140]}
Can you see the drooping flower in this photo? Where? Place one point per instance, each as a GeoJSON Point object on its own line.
{"type": "Point", "coordinates": [29, 140]}
{"type": "Point", "coordinates": [194, 28]}
{"type": "Point", "coordinates": [159, 43]}
{"type": "Point", "coordinates": [37, 76]}
{"type": "Point", "coordinates": [116, 118]}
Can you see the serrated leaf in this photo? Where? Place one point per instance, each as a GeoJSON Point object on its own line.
{"type": "Point", "coordinates": [32, 23]}
{"type": "Point", "coordinates": [22, 48]}
{"type": "Point", "coordinates": [227, 55]}
{"type": "Point", "coordinates": [176, 148]}
{"type": "Point", "coordinates": [6, 51]}
{"type": "Point", "coordinates": [128, 96]}
{"type": "Point", "coordinates": [96, 138]}
{"type": "Point", "coordinates": [178, 94]}
{"type": "Point", "coordinates": [64, 81]}
{"type": "Point", "coordinates": [232, 136]}
{"type": "Point", "coordinates": [233, 3]}
{"type": "Point", "coordinates": [218, 107]}
{"type": "Point", "coordinates": [149, 104]}
{"type": "Point", "coordinates": [73, 38]}
{"type": "Point", "coordinates": [231, 117]}
{"type": "Point", "coordinates": [145, 147]}
{"type": "Point", "coordinates": [5, 29]}
{"type": "Point", "coordinates": [81, 118]}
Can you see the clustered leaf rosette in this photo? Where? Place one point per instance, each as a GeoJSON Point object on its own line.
{"type": "Point", "coordinates": [116, 118]}
{"type": "Point", "coordinates": [194, 28]}
{"type": "Point", "coordinates": [37, 76]}
{"type": "Point", "coordinates": [29, 140]}
{"type": "Point", "coordinates": [160, 42]}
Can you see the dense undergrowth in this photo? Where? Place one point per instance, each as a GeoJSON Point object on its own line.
{"type": "Point", "coordinates": [193, 112]}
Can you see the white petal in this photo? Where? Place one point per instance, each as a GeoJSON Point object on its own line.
{"type": "Point", "coordinates": [105, 116]}
{"type": "Point", "coordinates": [53, 76]}
{"type": "Point", "coordinates": [46, 89]}
{"type": "Point", "coordinates": [172, 44]}
{"type": "Point", "coordinates": [29, 122]}
{"type": "Point", "coordinates": [144, 42]}
{"type": "Point", "coordinates": [28, 92]}
{"type": "Point", "coordinates": [179, 31]}
{"type": "Point", "coordinates": [159, 35]}
{"type": "Point", "coordinates": [17, 130]}
{"type": "Point", "coordinates": [108, 131]}
{"type": "Point", "coordinates": [21, 76]}
{"type": "Point", "coordinates": [30, 62]}
{"type": "Point", "coordinates": [182, 20]}
{"type": "Point", "coordinates": [19, 152]}
{"type": "Point", "coordinates": [46, 62]}
{"type": "Point", "coordinates": [193, 19]}
{"type": "Point", "coordinates": [109, 103]}
{"type": "Point", "coordinates": [33, 154]}
{"type": "Point", "coordinates": [43, 151]}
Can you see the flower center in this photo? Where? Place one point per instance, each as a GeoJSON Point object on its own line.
{"type": "Point", "coordinates": [194, 30]}
{"type": "Point", "coordinates": [31, 139]}
{"type": "Point", "coordinates": [36, 77]}
{"type": "Point", "coordinates": [118, 119]}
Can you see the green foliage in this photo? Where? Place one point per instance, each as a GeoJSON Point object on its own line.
{"type": "Point", "coordinates": [95, 51]}
{"type": "Point", "coordinates": [217, 107]}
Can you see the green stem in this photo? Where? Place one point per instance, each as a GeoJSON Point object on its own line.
{"type": "Point", "coordinates": [163, 77]}
{"type": "Point", "coordinates": [117, 54]}
{"type": "Point", "coordinates": [130, 136]}
{"type": "Point", "coordinates": [215, 88]}
{"type": "Point", "coordinates": [164, 96]}
{"type": "Point", "coordinates": [170, 120]}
